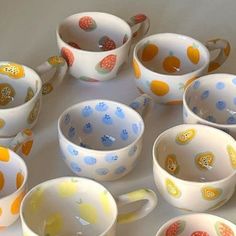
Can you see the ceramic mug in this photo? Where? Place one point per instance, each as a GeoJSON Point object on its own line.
{"type": "Point", "coordinates": [96, 45]}
{"type": "Point", "coordinates": [211, 100]}
{"type": "Point", "coordinates": [164, 64]}
{"type": "Point", "coordinates": [194, 167]}
{"type": "Point", "coordinates": [197, 225]}
{"type": "Point", "coordinates": [79, 206]}
{"type": "Point", "coordinates": [102, 139]}
{"type": "Point", "coordinates": [13, 178]}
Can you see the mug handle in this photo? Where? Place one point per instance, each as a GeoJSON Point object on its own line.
{"type": "Point", "coordinates": [138, 195]}
{"type": "Point", "coordinates": [144, 22]}
{"type": "Point", "coordinates": [56, 63]}
{"type": "Point", "coordinates": [22, 143]}
{"type": "Point", "coordinates": [224, 47]}
{"type": "Point", "coordinates": [142, 104]}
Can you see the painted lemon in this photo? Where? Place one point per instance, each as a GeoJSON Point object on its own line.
{"type": "Point", "coordinates": [19, 179]}
{"type": "Point", "coordinates": [67, 188]}
{"type": "Point", "coordinates": [137, 71]}
{"type": "Point", "coordinates": [185, 136]}
{"type": "Point", "coordinates": [171, 164]}
{"type": "Point", "coordinates": [53, 225]}
{"type": "Point", "coordinates": [159, 88]}
{"type": "Point", "coordinates": [7, 94]}
{"type": "Point", "coordinates": [4, 154]}
{"type": "Point", "coordinates": [213, 66]}
{"type": "Point", "coordinates": [137, 195]}
{"type": "Point", "coordinates": [172, 189]}
{"type": "Point", "coordinates": [87, 212]}
{"type": "Point", "coordinates": [204, 160]}
{"type": "Point", "coordinates": [210, 193]}
{"type": "Point", "coordinates": [149, 52]}
{"type": "Point", "coordinates": [36, 199]}
{"type": "Point", "coordinates": [171, 64]}
{"type": "Point", "coordinates": [105, 201]}
{"type": "Point", "coordinates": [232, 155]}
{"type": "Point", "coordinates": [15, 206]}
{"type": "Point", "coordinates": [193, 54]}
{"type": "Point", "coordinates": [2, 180]}
{"type": "Point", "coordinates": [13, 70]}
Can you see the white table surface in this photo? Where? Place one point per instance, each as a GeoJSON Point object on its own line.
{"type": "Point", "coordinates": [27, 36]}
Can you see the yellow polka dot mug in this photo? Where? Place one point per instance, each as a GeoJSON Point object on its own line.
{"type": "Point", "coordinates": [79, 206]}
{"type": "Point", "coordinates": [13, 178]}
{"type": "Point", "coordinates": [194, 167]}
{"type": "Point", "coordinates": [164, 64]}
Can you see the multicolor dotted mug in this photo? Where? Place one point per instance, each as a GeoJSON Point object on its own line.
{"type": "Point", "coordinates": [79, 206]}
{"type": "Point", "coordinates": [164, 64]}
{"type": "Point", "coordinates": [195, 167]}
{"type": "Point", "coordinates": [102, 139]}
{"type": "Point", "coordinates": [13, 178]}
{"type": "Point", "coordinates": [197, 225]}
{"type": "Point", "coordinates": [96, 45]}
{"type": "Point", "coordinates": [211, 100]}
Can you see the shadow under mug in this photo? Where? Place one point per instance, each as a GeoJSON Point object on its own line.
{"type": "Point", "coordinates": [165, 64]}
{"type": "Point", "coordinates": [96, 44]}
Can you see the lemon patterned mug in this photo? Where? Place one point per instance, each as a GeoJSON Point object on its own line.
{"type": "Point", "coordinates": [78, 206]}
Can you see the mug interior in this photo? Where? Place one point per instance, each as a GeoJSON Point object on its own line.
{"type": "Point", "coordinates": [172, 54]}
{"type": "Point", "coordinates": [213, 98]}
{"type": "Point", "coordinates": [101, 125]}
{"type": "Point", "coordinates": [13, 172]}
{"type": "Point", "coordinates": [94, 31]}
{"type": "Point", "coordinates": [196, 153]}
{"type": "Point", "coordinates": [18, 84]}
{"type": "Point", "coordinates": [69, 206]}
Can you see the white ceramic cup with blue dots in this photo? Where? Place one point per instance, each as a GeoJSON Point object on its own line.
{"type": "Point", "coordinates": [102, 139]}
{"type": "Point", "coordinates": [211, 100]}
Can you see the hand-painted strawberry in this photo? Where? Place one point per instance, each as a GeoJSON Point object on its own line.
{"type": "Point", "coordinates": [74, 45]}
{"type": "Point", "coordinates": [176, 228]}
{"type": "Point", "coordinates": [200, 233]}
{"type": "Point", "coordinates": [87, 23]}
{"type": "Point", "coordinates": [106, 43]}
{"type": "Point", "coordinates": [137, 19]}
{"type": "Point", "coordinates": [106, 64]}
{"type": "Point", "coordinates": [68, 55]}
{"type": "Point", "coordinates": [223, 230]}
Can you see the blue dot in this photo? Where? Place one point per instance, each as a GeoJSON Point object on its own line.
{"type": "Point", "coordinates": [135, 128]}
{"type": "Point", "coordinates": [71, 132]}
{"type": "Point", "coordinates": [195, 110]}
{"type": "Point", "coordinates": [220, 85]}
{"type": "Point", "coordinates": [124, 135]}
{"type": "Point", "coordinates": [90, 160]}
{"type": "Point", "coordinates": [231, 120]}
{"type": "Point", "coordinates": [211, 119]}
{"type": "Point", "coordinates": [87, 111]}
{"type": "Point", "coordinates": [107, 120]}
{"type": "Point", "coordinates": [102, 171]}
{"type": "Point", "coordinates": [67, 119]}
{"type": "Point", "coordinates": [220, 105]}
{"type": "Point", "coordinates": [111, 158]}
{"type": "Point", "coordinates": [234, 81]}
{"type": "Point", "coordinates": [132, 150]}
{"type": "Point", "coordinates": [235, 101]}
{"type": "Point", "coordinates": [135, 105]}
{"type": "Point", "coordinates": [120, 170]}
{"type": "Point", "coordinates": [88, 128]}
{"type": "Point", "coordinates": [75, 167]}
{"type": "Point", "coordinates": [72, 151]}
{"type": "Point", "coordinates": [101, 106]}
{"type": "Point", "coordinates": [107, 140]}
{"type": "Point", "coordinates": [196, 84]}
{"type": "Point", "coordinates": [205, 94]}
{"type": "Point", "coordinates": [119, 112]}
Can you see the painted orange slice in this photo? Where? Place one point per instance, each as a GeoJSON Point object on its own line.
{"type": "Point", "coordinates": [204, 160]}
{"type": "Point", "coordinates": [232, 155]}
{"type": "Point", "coordinates": [171, 164]}
{"type": "Point", "coordinates": [186, 136]}
{"type": "Point", "coordinates": [211, 193]}
{"type": "Point", "coordinates": [13, 70]}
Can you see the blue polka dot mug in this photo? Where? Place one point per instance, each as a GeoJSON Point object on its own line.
{"type": "Point", "coordinates": [211, 100]}
{"type": "Point", "coordinates": [102, 139]}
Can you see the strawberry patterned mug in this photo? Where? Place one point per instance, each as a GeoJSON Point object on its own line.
{"type": "Point", "coordinates": [96, 45]}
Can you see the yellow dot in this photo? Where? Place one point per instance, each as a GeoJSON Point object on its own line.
{"type": "Point", "coordinates": [159, 88]}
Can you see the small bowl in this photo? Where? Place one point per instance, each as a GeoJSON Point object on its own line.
{"type": "Point", "coordinates": [197, 225]}
{"type": "Point", "coordinates": [211, 100]}
{"type": "Point", "coordinates": [13, 178]}
{"type": "Point", "coordinates": [195, 167]}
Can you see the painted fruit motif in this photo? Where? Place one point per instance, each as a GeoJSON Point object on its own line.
{"type": "Point", "coordinates": [232, 155]}
{"type": "Point", "coordinates": [13, 70]}
{"type": "Point", "coordinates": [200, 233]}
{"type": "Point", "coordinates": [186, 136]}
{"type": "Point", "coordinates": [171, 164]}
{"type": "Point", "coordinates": [19, 180]}
{"type": "Point", "coordinates": [171, 64]}
{"type": "Point", "coordinates": [204, 160]}
{"type": "Point", "coordinates": [137, 19]}
{"type": "Point", "coordinates": [105, 202]}
{"type": "Point", "coordinates": [47, 88]}
{"type": "Point", "coordinates": [67, 188]}
{"type": "Point", "coordinates": [159, 88]}
{"type": "Point", "coordinates": [87, 23]}
{"type": "Point", "coordinates": [15, 207]}
{"type": "Point", "coordinates": [136, 68]}
{"type": "Point", "coordinates": [2, 180]}
{"type": "Point", "coordinates": [107, 64]}
{"type": "Point", "coordinates": [26, 147]}
{"type": "Point", "coordinates": [4, 154]}
{"type": "Point", "coordinates": [193, 54]}
{"type": "Point", "coordinates": [149, 52]}
{"type": "Point", "coordinates": [36, 199]}
{"type": "Point", "coordinates": [172, 189]}
{"type": "Point", "coordinates": [34, 113]}
{"type": "Point", "coordinates": [106, 43]}
{"type": "Point", "coordinates": [68, 55]}
{"type": "Point", "coordinates": [29, 95]}
{"type": "Point", "coordinates": [176, 228]}
{"type": "Point", "coordinates": [211, 193]}
{"type": "Point", "coordinates": [74, 45]}
{"type": "Point", "coordinates": [227, 49]}
{"type": "Point", "coordinates": [223, 230]}
{"type": "Point", "coordinates": [213, 66]}
{"type": "Point", "coordinates": [53, 225]}
{"type": "Point", "coordinates": [56, 60]}
{"type": "Point", "coordinates": [7, 94]}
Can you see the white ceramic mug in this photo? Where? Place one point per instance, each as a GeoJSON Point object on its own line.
{"type": "Point", "coordinates": [164, 64]}
{"type": "Point", "coordinates": [79, 206]}
{"type": "Point", "coordinates": [96, 45]}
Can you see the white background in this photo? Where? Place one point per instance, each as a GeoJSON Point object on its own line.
{"type": "Point", "coordinates": [27, 36]}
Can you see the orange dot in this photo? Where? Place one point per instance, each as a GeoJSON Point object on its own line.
{"type": "Point", "coordinates": [227, 50]}
{"type": "Point", "coordinates": [19, 180]}
{"type": "Point", "coordinates": [159, 88]}
{"type": "Point", "coordinates": [213, 66]}
{"type": "Point", "coordinates": [149, 52]}
{"type": "Point", "coordinates": [174, 102]}
{"type": "Point", "coordinates": [171, 64]}
{"type": "Point", "coordinates": [4, 154]}
{"type": "Point", "coordinates": [2, 180]}
{"type": "Point", "coordinates": [193, 54]}
{"type": "Point", "coordinates": [136, 68]}
{"type": "Point", "coordinates": [26, 147]}
{"type": "Point", "coordinates": [15, 206]}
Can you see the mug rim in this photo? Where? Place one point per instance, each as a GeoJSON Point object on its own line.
{"type": "Point", "coordinates": [183, 181]}
{"type": "Point", "coordinates": [88, 51]}
{"type": "Point", "coordinates": [16, 156]}
{"type": "Point", "coordinates": [197, 71]}
{"type": "Point", "coordinates": [186, 105]}
{"type": "Point", "coordinates": [61, 134]}
{"type": "Point", "coordinates": [35, 95]}
{"type": "Point", "coordinates": [58, 180]}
